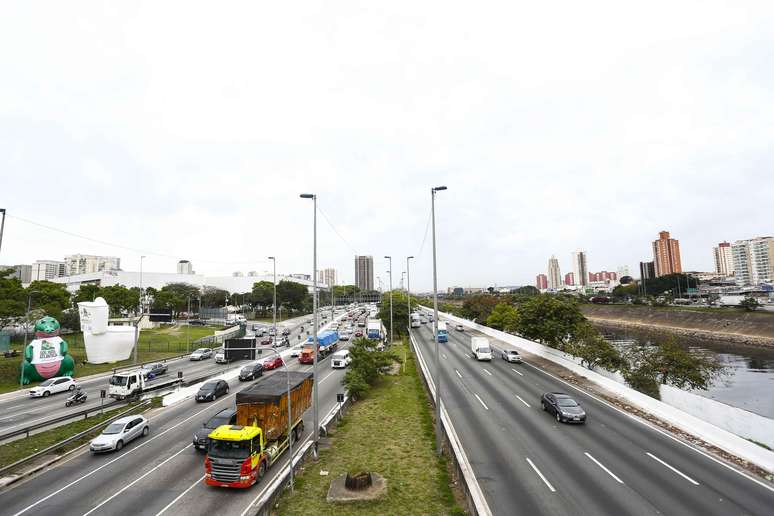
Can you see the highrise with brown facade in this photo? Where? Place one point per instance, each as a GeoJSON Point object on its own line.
{"type": "Point", "coordinates": [666, 255]}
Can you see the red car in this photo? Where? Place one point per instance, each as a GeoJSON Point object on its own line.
{"type": "Point", "coordinates": [359, 333]}
{"type": "Point", "coordinates": [266, 340]}
{"type": "Point", "coordinates": [272, 363]}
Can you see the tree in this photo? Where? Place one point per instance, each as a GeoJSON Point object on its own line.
{"type": "Point", "coordinates": [400, 315]}
{"type": "Point", "coordinates": [639, 371]}
{"type": "Point", "coordinates": [48, 296]}
{"type": "Point", "coordinates": [527, 290]}
{"type": "Point", "coordinates": [119, 298]}
{"type": "Point", "coordinates": [685, 369]}
{"type": "Point", "coordinates": [550, 319]}
{"type": "Point", "coordinates": [213, 297]}
{"type": "Point", "coordinates": [503, 317]}
{"type": "Point", "coordinates": [292, 295]}
{"type": "Point", "coordinates": [87, 292]}
{"type": "Point", "coordinates": [263, 294]}
{"type": "Point", "coordinates": [594, 350]}
{"type": "Point", "coordinates": [478, 307]}
{"type": "Point", "coordinates": [750, 304]}
{"type": "Point", "coordinates": [13, 299]}
{"type": "Point", "coordinates": [365, 367]}
{"type": "Point", "coordinates": [669, 283]}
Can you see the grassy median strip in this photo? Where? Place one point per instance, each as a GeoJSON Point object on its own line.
{"type": "Point", "coordinates": [389, 432]}
{"type": "Point", "coordinates": [21, 448]}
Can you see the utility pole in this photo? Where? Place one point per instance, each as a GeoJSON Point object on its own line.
{"type": "Point", "coordinates": [316, 431]}
{"type": "Point", "coordinates": [408, 287]}
{"type": "Point", "coordinates": [438, 422]}
{"type": "Point", "coordinates": [390, 271]}
{"type": "Point", "coordinates": [274, 303]}
{"type": "Point", "coordinates": [2, 227]}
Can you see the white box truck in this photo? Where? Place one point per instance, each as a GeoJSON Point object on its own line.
{"type": "Point", "coordinates": [480, 348]}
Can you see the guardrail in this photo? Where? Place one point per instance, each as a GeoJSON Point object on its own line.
{"type": "Point", "coordinates": [73, 415]}
{"type": "Point", "coordinates": [477, 503]}
{"type": "Point", "coordinates": [58, 445]}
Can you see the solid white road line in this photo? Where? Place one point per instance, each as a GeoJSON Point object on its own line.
{"type": "Point", "coordinates": [327, 376]}
{"type": "Point", "coordinates": [541, 475]}
{"type": "Point", "coordinates": [647, 424]}
{"type": "Point", "coordinates": [444, 356]}
{"type": "Point", "coordinates": [106, 500]}
{"type": "Point", "coordinates": [689, 479]}
{"type": "Point", "coordinates": [487, 372]}
{"type": "Point", "coordinates": [603, 467]}
{"type": "Point", "coordinates": [131, 450]}
{"type": "Point", "coordinates": [517, 372]}
{"type": "Point", "coordinates": [458, 373]}
{"type": "Point", "coordinates": [521, 400]}
{"type": "Point", "coordinates": [480, 401]}
{"type": "Point", "coordinates": [170, 504]}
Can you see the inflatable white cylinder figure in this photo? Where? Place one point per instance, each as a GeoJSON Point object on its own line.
{"type": "Point", "coordinates": [104, 343]}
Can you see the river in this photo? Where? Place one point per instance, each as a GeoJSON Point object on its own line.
{"type": "Point", "coordinates": [749, 379]}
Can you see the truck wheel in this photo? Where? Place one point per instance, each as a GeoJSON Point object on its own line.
{"type": "Point", "coordinates": [261, 470]}
{"type": "Point", "coordinates": [543, 405]}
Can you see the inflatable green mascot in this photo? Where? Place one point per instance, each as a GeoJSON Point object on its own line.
{"type": "Point", "coordinates": [46, 356]}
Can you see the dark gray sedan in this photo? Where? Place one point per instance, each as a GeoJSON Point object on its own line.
{"type": "Point", "coordinates": [563, 407]}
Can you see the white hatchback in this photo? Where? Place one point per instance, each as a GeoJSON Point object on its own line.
{"type": "Point", "coordinates": [120, 432]}
{"type": "Point", "coordinates": [52, 386]}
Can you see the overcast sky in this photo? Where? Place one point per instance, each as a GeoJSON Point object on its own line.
{"type": "Point", "coordinates": [187, 130]}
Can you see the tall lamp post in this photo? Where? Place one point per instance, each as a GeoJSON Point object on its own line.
{"type": "Point", "coordinates": [274, 304]}
{"type": "Point", "coordinates": [316, 433]}
{"type": "Point", "coordinates": [390, 271]}
{"type": "Point", "coordinates": [408, 287]}
{"type": "Point", "coordinates": [137, 326]}
{"type": "Point", "coordinates": [26, 324]}
{"type": "Point", "coordinates": [438, 422]}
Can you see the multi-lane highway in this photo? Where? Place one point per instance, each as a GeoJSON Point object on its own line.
{"type": "Point", "coordinates": [18, 410]}
{"type": "Point", "coordinates": [159, 474]}
{"type": "Point", "coordinates": [527, 463]}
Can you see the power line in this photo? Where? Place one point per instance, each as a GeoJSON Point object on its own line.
{"type": "Point", "coordinates": [119, 246]}
{"type": "Point", "coordinates": [319, 208]}
{"type": "Point", "coordinates": [424, 238]}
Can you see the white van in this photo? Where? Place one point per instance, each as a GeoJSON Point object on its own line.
{"type": "Point", "coordinates": [341, 359]}
{"type": "Point", "coordinates": [480, 348]}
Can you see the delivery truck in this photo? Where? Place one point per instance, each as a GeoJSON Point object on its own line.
{"type": "Point", "coordinates": [376, 330]}
{"type": "Point", "coordinates": [480, 348]}
{"type": "Point", "coordinates": [327, 343]}
{"type": "Point", "coordinates": [239, 455]}
{"type": "Point", "coordinates": [126, 384]}
{"type": "Point", "coordinates": [415, 320]}
{"type": "Point", "coordinates": [443, 334]}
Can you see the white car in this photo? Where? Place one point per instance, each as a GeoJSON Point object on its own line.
{"type": "Point", "coordinates": [52, 386]}
{"type": "Point", "coordinates": [341, 359]}
{"type": "Point", "coordinates": [295, 351]}
{"type": "Point", "coordinates": [220, 357]}
{"type": "Point", "coordinates": [345, 335]}
{"type": "Point", "coordinates": [511, 355]}
{"type": "Point", "coordinates": [459, 327]}
{"type": "Point", "coordinates": [120, 432]}
{"type": "Point", "coordinates": [201, 354]}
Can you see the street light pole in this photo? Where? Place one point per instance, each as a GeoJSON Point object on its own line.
{"type": "Point", "coordinates": [188, 327]}
{"type": "Point", "coordinates": [137, 326]}
{"type": "Point", "coordinates": [408, 287]}
{"type": "Point", "coordinates": [439, 424]}
{"type": "Point", "coordinates": [316, 430]}
{"type": "Point", "coordinates": [390, 271]}
{"type": "Point", "coordinates": [274, 303]}
{"type": "Point", "coordinates": [2, 226]}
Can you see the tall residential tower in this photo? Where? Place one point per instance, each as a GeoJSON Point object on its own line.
{"type": "Point", "coordinates": [364, 272]}
{"type": "Point", "coordinates": [666, 255]}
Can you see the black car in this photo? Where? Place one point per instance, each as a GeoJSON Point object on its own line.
{"type": "Point", "coordinates": [211, 390]}
{"type": "Point", "coordinates": [196, 322]}
{"type": "Point", "coordinates": [563, 407]}
{"type": "Point", "coordinates": [224, 417]}
{"type": "Point", "coordinates": [251, 372]}
{"type": "Point", "coordinates": [151, 371]}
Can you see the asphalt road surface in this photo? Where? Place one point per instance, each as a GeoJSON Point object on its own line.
{"type": "Point", "coordinates": [528, 463]}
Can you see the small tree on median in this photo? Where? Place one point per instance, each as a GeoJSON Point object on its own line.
{"type": "Point", "coordinates": [366, 365]}
{"type": "Point", "coordinates": [503, 317]}
{"type": "Point", "coordinates": [750, 304]}
{"type": "Point", "coordinates": [594, 350]}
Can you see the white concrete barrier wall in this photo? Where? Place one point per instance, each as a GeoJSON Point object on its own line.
{"type": "Point", "coordinates": [743, 422]}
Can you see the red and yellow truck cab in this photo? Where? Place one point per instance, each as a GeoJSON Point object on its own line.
{"type": "Point", "coordinates": [235, 456]}
{"type": "Point", "coordinates": [239, 455]}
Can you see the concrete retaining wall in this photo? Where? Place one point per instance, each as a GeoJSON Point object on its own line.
{"type": "Point", "coordinates": [723, 439]}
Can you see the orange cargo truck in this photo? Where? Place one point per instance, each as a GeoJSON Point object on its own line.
{"type": "Point", "coordinates": [239, 455]}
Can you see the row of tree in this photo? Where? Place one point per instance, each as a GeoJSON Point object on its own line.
{"type": "Point", "coordinates": [556, 321]}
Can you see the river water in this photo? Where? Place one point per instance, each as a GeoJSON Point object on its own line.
{"type": "Point", "coordinates": [749, 379]}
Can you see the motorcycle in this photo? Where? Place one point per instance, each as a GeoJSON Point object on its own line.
{"type": "Point", "coordinates": [76, 397]}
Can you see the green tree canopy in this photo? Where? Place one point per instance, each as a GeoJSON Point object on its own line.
{"type": "Point", "coordinates": [594, 350]}
{"type": "Point", "coordinates": [670, 283]}
{"type": "Point", "coordinates": [86, 292]}
{"type": "Point", "coordinates": [119, 298]}
{"type": "Point", "coordinates": [365, 367]}
{"type": "Point", "coordinates": [400, 315]}
{"type": "Point", "coordinates": [552, 320]}
{"type": "Point", "coordinates": [50, 297]}
{"type": "Point", "coordinates": [479, 307]}
{"type": "Point", "coordinates": [13, 299]}
{"type": "Point", "coordinates": [213, 297]}
{"type": "Point", "coordinates": [292, 295]}
{"type": "Point", "coordinates": [263, 294]}
{"type": "Point", "coordinates": [504, 317]}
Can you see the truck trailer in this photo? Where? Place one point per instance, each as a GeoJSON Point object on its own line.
{"type": "Point", "coordinates": [239, 455]}
{"type": "Point", "coordinates": [327, 343]}
{"type": "Point", "coordinates": [376, 330]}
